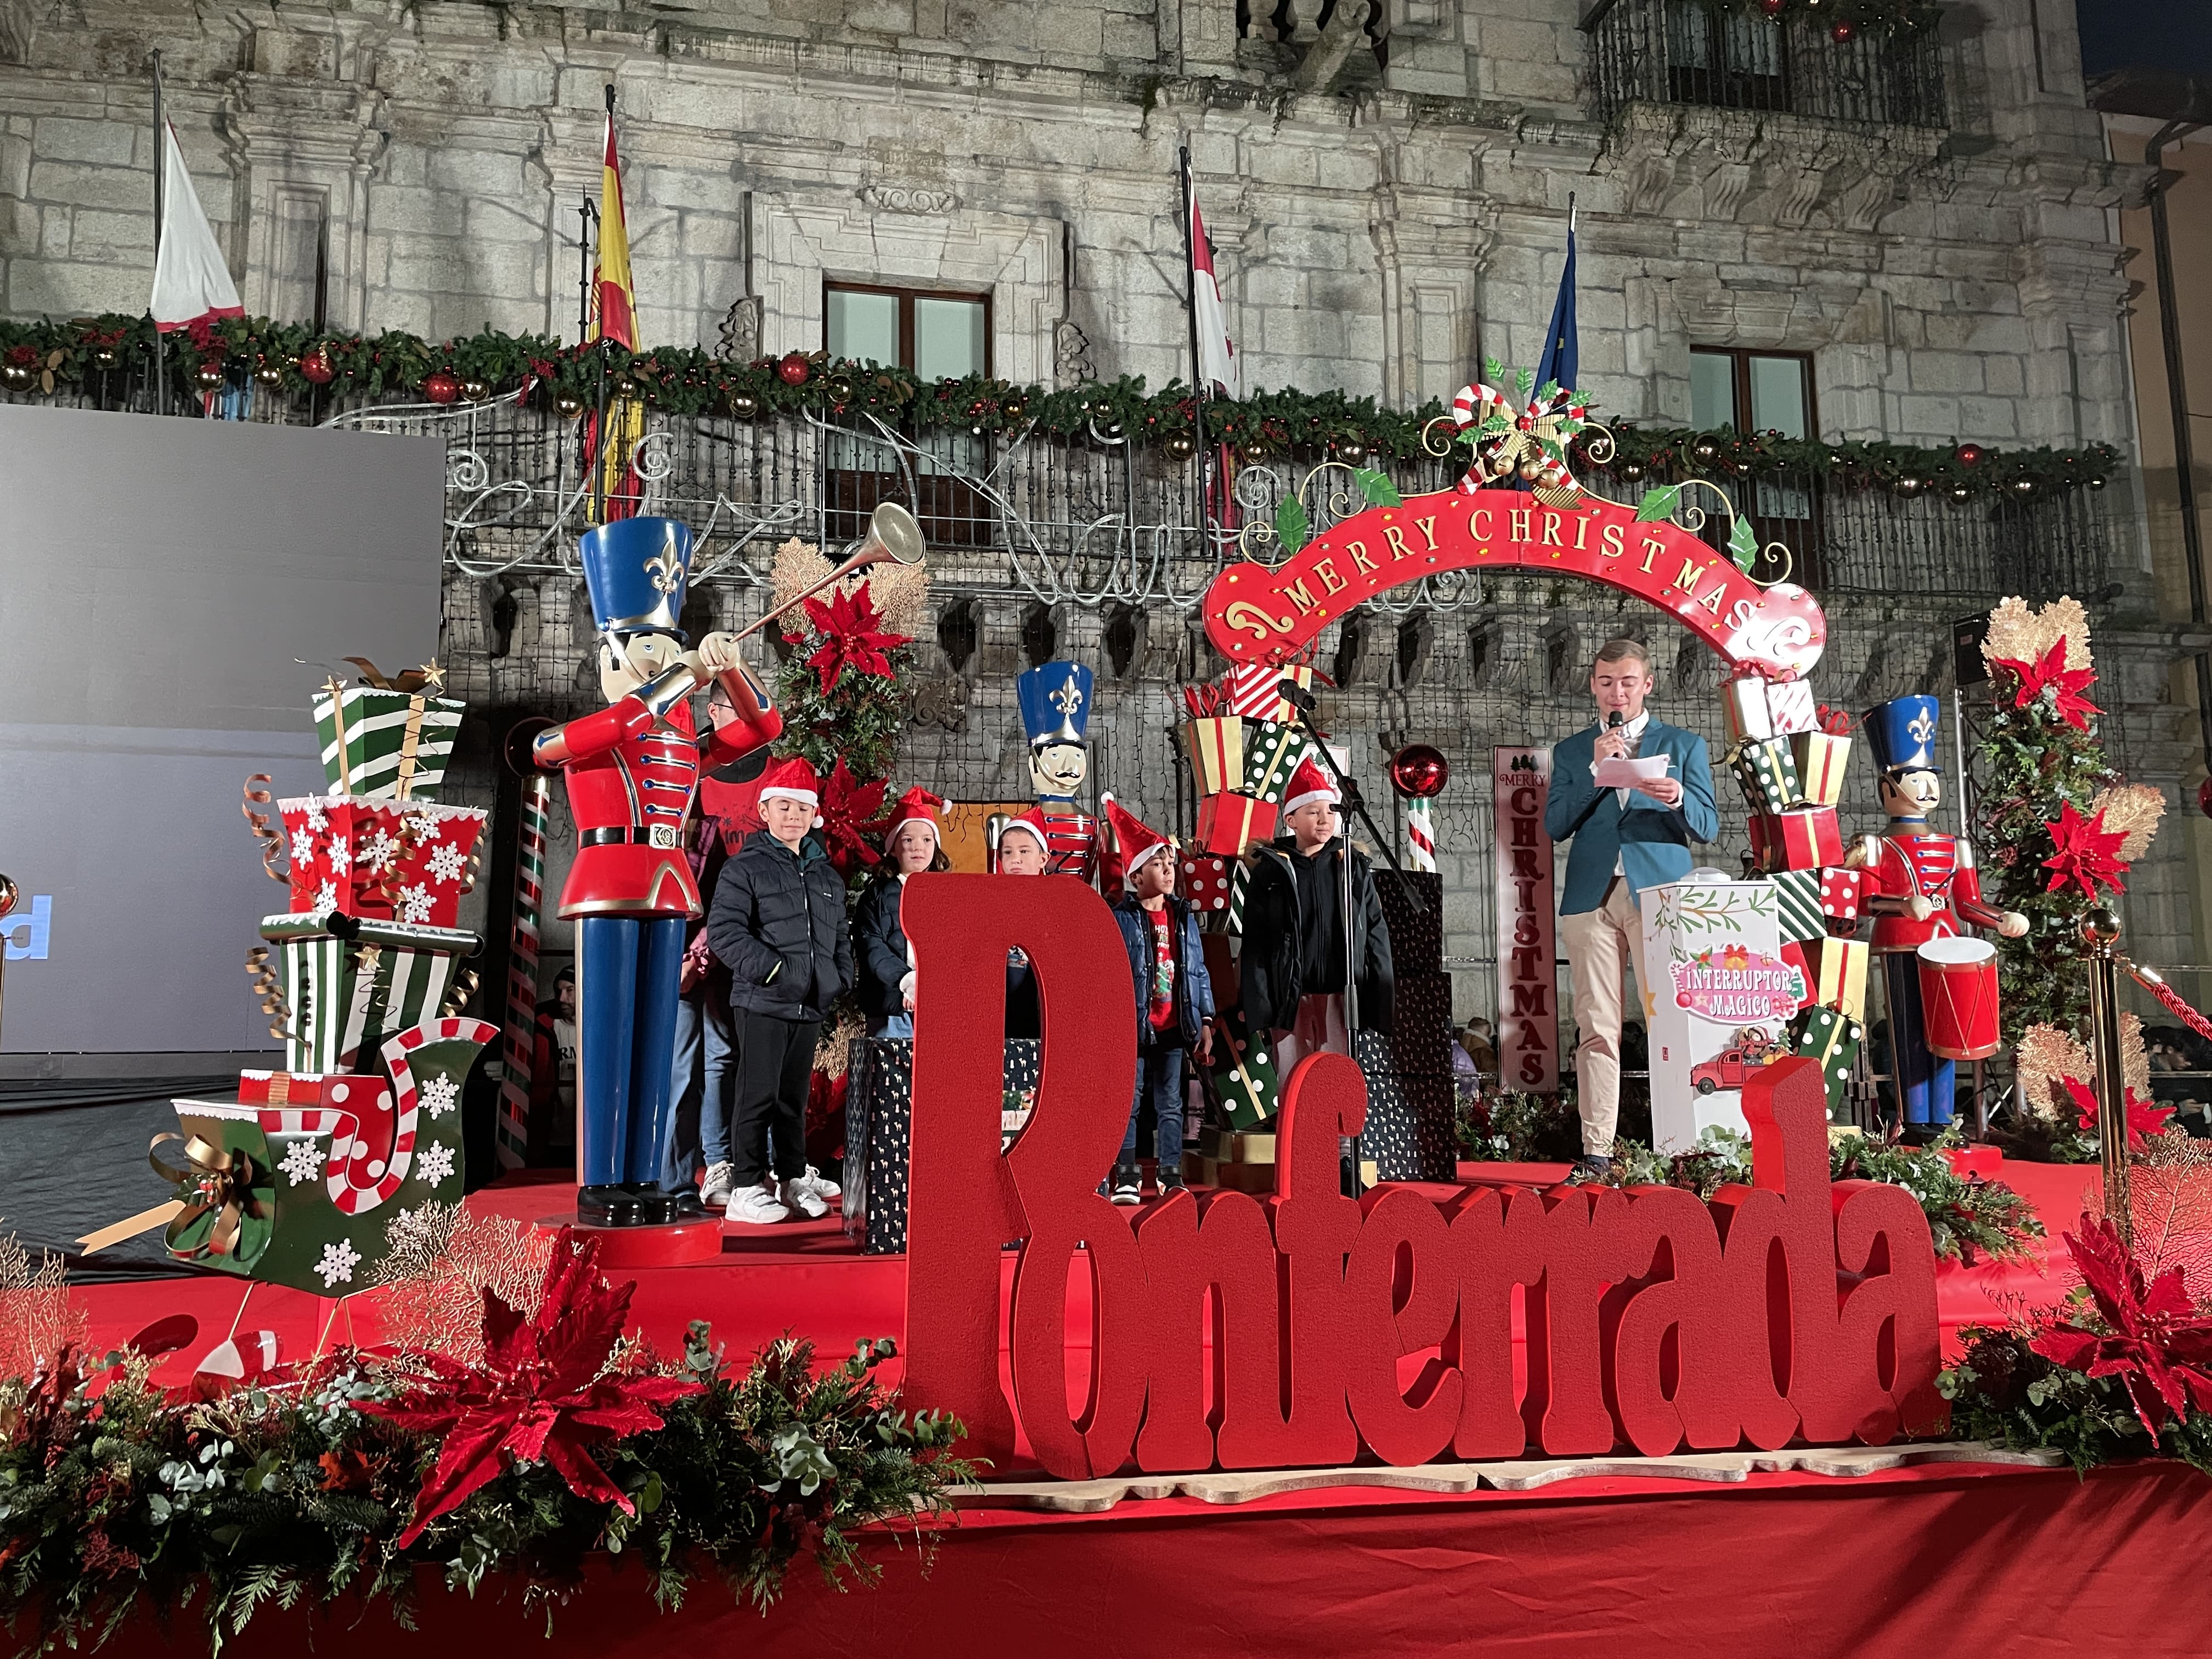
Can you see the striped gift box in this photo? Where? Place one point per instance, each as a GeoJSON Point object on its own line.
{"type": "Point", "coordinates": [1820, 758]}
{"type": "Point", "coordinates": [1270, 755]}
{"type": "Point", "coordinates": [1216, 747]}
{"type": "Point", "coordinates": [1797, 901]}
{"type": "Point", "coordinates": [346, 998]}
{"type": "Point", "coordinates": [1252, 693]}
{"type": "Point", "coordinates": [385, 745]}
{"type": "Point", "coordinates": [1791, 707]}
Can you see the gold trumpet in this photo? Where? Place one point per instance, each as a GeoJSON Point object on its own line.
{"type": "Point", "coordinates": [892, 534]}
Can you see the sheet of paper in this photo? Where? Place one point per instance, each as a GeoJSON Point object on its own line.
{"type": "Point", "coordinates": [1628, 774]}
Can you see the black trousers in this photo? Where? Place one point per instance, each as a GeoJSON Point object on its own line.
{"type": "Point", "coordinates": [775, 1060]}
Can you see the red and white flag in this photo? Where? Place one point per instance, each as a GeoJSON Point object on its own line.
{"type": "Point", "coordinates": [1217, 367]}
{"type": "Point", "coordinates": [192, 281]}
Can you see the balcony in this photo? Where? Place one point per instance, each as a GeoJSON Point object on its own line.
{"type": "Point", "coordinates": [1719, 56]}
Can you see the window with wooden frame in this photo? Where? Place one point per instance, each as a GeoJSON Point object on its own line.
{"type": "Point", "coordinates": [935, 335]}
{"type": "Point", "coordinates": [1754, 393]}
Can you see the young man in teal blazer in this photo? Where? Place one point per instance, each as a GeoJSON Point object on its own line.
{"type": "Point", "coordinates": [1625, 840]}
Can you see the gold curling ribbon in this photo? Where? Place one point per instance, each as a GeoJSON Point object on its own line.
{"type": "Point", "coordinates": [458, 995]}
{"type": "Point", "coordinates": [211, 1179]}
{"type": "Point", "coordinates": [272, 843]}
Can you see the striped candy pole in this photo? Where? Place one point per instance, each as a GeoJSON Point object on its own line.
{"type": "Point", "coordinates": [522, 974]}
{"type": "Point", "coordinates": [1421, 835]}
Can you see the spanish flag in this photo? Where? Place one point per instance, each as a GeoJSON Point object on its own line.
{"type": "Point", "coordinates": [614, 316]}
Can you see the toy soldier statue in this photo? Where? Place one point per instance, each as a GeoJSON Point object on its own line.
{"type": "Point", "coordinates": [1921, 886]}
{"type": "Point", "coordinates": [631, 769]}
{"type": "Point", "coordinates": [1056, 702]}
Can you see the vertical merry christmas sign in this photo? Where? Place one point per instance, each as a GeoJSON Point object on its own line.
{"type": "Point", "coordinates": [1528, 977]}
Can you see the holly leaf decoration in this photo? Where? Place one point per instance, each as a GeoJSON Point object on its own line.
{"type": "Point", "coordinates": [1377, 488]}
{"type": "Point", "coordinates": [1743, 544]}
{"type": "Point", "coordinates": [1658, 503]}
{"type": "Point", "coordinates": [1493, 371]}
{"type": "Point", "coordinates": [1521, 381]}
{"type": "Point", "coordinates": [1292, 529]}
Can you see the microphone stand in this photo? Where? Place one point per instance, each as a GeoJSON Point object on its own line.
{"type": "Point", "coordinates": [1301, 703]}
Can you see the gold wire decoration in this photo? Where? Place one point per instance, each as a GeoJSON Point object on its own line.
{"type": "Point", "coordinates": [2132, 810]}
{"type": "Point", "coordinates": [2020, 633]}
{"type": "Point", "coordinates": [38, 1315]}
{"type": "Point", "coordinates": [441, 1258]}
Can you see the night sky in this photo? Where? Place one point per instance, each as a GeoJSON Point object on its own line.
{"type": "Point", "coordinates": [2167, 34]}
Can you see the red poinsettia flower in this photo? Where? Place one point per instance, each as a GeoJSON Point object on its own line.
{"type": "Point", "coordinates": [542, 1394]}
{"type": "Point", "coordinates": [2087, 853]}
{"type": "Point", "coordinates": [2050, 673]}
{"type": "Point", "coordinates": [2144, 1117]}
{"type": "Point", "coordinates": [850, 637]}
{"type": "Point", "coordinates": [2154, 1341]}
{"type": "Point", "coordinates": [849, 823]}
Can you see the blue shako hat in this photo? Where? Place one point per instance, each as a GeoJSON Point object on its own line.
{"type": "Point", "coordinates": [1902, 732]}
{"type": "Point", "coordinates": [1055, 700]}
{"type": "Point", "coordinates": [637, 570]}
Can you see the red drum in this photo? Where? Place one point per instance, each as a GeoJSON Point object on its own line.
{"type": "Point", "coordinates": [1959, 997]}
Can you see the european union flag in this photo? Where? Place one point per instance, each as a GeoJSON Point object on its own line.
{"type": "Point", "coordinates": [1557, 363]}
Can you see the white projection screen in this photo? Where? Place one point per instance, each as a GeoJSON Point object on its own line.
{"type": "Point", "coordinates": [158, 579]}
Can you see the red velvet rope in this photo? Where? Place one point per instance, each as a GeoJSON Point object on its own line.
{"type": "Point", "coordinates": [2171, 999]}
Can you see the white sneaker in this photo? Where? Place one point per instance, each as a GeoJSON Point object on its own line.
{"type": "Point", "coordinates": [816, 1183]}
{"type": "Point", "coordinates": [721, 1181]}
{"type": "Point", "coordinates": [759, 1205]}
{"type": "Point", "coordinates": [801, 1196]}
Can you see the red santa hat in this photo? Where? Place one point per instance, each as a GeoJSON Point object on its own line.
{"type": "Point", "coordinates": [917, 805]}
{"type": "Point", "coordinates": [791, 779]}
{"type": "Point", "coordinates": [1308, 785]}
{"type": "Point", "coordinates": [1137, 842]}
{"type": "Point", "coordinates": [1032, 821]}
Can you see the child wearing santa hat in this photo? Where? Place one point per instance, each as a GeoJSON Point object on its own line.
{"type": "Point", "coordinates": [913, 845]}
{"type": "Point", "coordinates": [778, 922]}
{"type": "Point", "coordinates": [1025, 849]}
{"type": "Point", "coordinates": [1175, 998]}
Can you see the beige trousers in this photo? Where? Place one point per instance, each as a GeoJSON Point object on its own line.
{"type": "Point", "coordinates": [1602, 945]}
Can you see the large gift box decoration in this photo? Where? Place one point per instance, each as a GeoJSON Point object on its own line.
{"type": "Point", "coordinates": [1797, 901]}
{"type": "Point", "coordinates": [387, 740]}
{"type": "Point", "coordinates": [1202, 880]}
{"type": "Point", "coordinates": [1805, 840]}
{"type": "Point", "coordinates": [1270, 755]}
{"type": "Point", "coordinates": [1216, 746]}
{"type": "Point", "coordinates": [1837, 971]}
{"type": "Point", "coordinates": [1791, 707]}
{"type": "Point", "coordinates": [1820, 758]}
{"type": "Point", "coordinates": [408, 861]}
{"type": "Point", "coordinates": [1743, 703]}
{"type": "Point", "coordinates": [1243, 1077]}
{"type": "Point", "coordinates": [1834, 1038]}
{"type": "Point", "coordinates": [1768, 773]}
{"type": "Point", "coordinates": [1842, 890]}
{"type": "Point", "coordinates": [1228, 823]}
{"type": "Point", "coordinates": [1255, 689]}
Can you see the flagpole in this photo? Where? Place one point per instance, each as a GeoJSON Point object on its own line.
{"type": "Point", "coordinates": [600, 431]}
{"type": "Point", "coordinates": [161, 171]}
{"type": "Point", "coordinates": [1190, 305]}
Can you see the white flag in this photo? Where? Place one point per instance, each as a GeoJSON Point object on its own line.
{"type": "Point", "coordinates": [1218, 367]}
{"type": "Point", "coordinates": [190, 280]}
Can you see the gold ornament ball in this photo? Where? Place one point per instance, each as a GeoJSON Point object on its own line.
{"type": "Point", "coordinates": [1181, 446]}
{"type": "Point", "coordinates": [16, 376]}
{"type": "Point", "coordinates": [1908, 485]}
{"type": "Point", "coordinates": [211, 377]}
{"type": "Point", "coordinates": [744, 406]}
{"type": "Point", "coordinates": [1528, 470]}
{"type": "Point", "coordinates": [269, 374]}
{"type": "Point", "coordinates": [1352, 453]}
{"type": "Point", "coordinates": [569, 405]}
{"type": "Point", "coordinates": [2023, 486]}
{"type": "Point", "coordinates": [1961, 493]}
{"type": "Point", "coordinates": [475, 391]}
{"type": "Point", "coordinates": [1704, 449]}
{"type": "Point", "coordinates": [103, 357]}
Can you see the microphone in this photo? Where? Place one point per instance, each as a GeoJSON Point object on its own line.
{"type": "Point", "coordinates": [1296, 695]}
{"type": "Point", "coordinates": [1614, 719]}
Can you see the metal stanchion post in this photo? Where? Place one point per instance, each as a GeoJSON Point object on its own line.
{"type": "Point", "coordinates": [8, 894]}
{"type": "Point", "coordinates": [2100, 928]}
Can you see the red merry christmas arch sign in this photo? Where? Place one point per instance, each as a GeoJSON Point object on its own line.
{"type": "Point", "coordinates": [1258, 613]}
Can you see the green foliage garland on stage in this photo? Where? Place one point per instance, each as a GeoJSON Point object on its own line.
{"type": "Point", "coordinates": [354, 1473]}
{"type": "Point", "coordinates": [96, 354]}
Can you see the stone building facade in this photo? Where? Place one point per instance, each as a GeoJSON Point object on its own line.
{"type": "Point", "coordinates": [1387, 185]}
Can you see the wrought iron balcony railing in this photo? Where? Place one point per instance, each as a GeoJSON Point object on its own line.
{"type": "Point", "coordinates": [1723, 56]}
{"type": "Point", "coordinates": [1095, 519]}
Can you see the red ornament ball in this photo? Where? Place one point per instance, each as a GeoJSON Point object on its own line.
{"type": "Point", "coordinates": [1969, 454]}
{"type": "Point", "coordinates": [1843, 34]}
{"type": "Point", "coordinates": [1418, 771]}
{"type": "Point", "coordinates": [1773, 8]}
{"type": "Point", "coordinates": [316, 367]}
{"type": "Point", "coordinates": [793, 369]}
{"type": "Point", "coordinates": [441, 386]}
{"type": "Point", "coordinates": [2204, 797]}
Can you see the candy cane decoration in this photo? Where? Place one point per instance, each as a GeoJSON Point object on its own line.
{"type": "Point", "coordinates": [1473, 404]}
{"type": "Point", "coordinates": [522, 974]}
{"type": "Point", "coordinates": [1477, 404]}
{"type": "Point", "coordinates": [1420, 835]}
{"type": "Point", "coordinates": [363, 1174]}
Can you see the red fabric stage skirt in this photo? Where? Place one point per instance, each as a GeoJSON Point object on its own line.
{"type": "Point", "coordinates": [1914, 1563]}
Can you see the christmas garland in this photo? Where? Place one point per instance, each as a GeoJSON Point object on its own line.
{"type": "Point", "coordinates": [291, 361]}
{"type": "Point", "coordinates": [554, 1437]}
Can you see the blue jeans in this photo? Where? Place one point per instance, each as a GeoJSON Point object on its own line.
{"type": "Point", "coordinates": [1159, 1077]}
{"type": "Point", "coordinates": [706, 1061]}
{"type": "Point", "coordinates": [892, 1025]}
